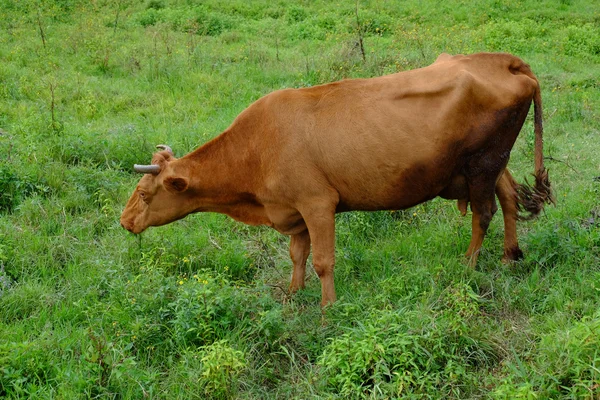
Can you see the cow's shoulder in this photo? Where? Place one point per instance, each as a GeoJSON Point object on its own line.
{"type": "Point", "coordinates": [444, 57]}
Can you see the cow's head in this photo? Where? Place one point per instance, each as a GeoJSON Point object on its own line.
{"type": "Point", "coordinates": [161, 196]}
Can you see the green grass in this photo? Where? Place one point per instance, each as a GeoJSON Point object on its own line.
{"type": "Point", "coordinates": [198, 308]}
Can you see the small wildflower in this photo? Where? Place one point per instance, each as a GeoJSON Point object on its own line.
{"type": "Point", "coordinates": [181, 282]}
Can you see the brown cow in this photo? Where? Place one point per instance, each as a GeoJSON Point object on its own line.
{"type": "Point", "coordinates": [296, 157]}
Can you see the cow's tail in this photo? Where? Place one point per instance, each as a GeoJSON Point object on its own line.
{"type": "Point", "coordinates": [532, 198]}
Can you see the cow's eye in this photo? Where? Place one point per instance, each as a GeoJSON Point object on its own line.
{"type": "Point", "coordinates": [143, 196]}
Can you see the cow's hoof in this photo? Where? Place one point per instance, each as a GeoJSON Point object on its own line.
{"type": "Point", "coordinates": [512, 254]}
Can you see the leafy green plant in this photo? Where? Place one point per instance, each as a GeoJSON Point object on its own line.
{"type": "Point", "coordinates": [296, 14]}
{"type": "Point", "coordinates": [14, 188]}
{"type": "Point", "coordinates": [207, 307]}
{"type": "Point", "coordinates": [408, 355]}
{"type": "Point", "coordinates": [582, 40]}
{"type": "Point", "coordinates": [25, 366]}
{"type": "Point", "coordinates": [221, 364]}
{"type": "Point", "coordinates": [566, 365]}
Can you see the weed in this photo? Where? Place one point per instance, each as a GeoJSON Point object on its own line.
{"type": "Point", "coordinates": [14, 188]}
{"type": "Point", "coordinates": [221, 364]}
{"type": "Point", "coordinates": [566, 365]}
{"type": "Point", "coordinates": [404, 354]}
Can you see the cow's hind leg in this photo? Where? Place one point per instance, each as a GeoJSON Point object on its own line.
{"type": "Point", "coordinates": [481, 194]}
{"type": "Point", "coordinates": [299, 251]}
{"type": "Point", "coordinates": [507, 195]}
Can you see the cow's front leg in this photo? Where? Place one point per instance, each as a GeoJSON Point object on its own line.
{"type": "Point", "coordinates": [321, 228]}
{"type": "Point", "coordinates": [299, 251]}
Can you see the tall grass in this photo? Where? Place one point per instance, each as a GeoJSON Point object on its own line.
{"type": "Point", "coordinates": [199, 308]}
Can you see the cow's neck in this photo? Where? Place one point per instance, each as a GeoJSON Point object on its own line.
{"type": "Point", "coordinates": [222, 176]}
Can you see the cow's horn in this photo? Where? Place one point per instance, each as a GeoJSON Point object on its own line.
{"type": "Point", "coordinates": [165, 147]}
{"type": "Point", "coordinates": [147, 169]}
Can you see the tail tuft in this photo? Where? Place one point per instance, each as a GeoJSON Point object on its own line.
{"type": "Point", "coordinates": [531, 199]}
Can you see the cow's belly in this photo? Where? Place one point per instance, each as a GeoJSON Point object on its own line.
{"type": "Point", "coordinates": [392, 191]}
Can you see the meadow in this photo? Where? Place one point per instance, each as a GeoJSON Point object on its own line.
{"type": "Point", "coordinates": [199, 308]}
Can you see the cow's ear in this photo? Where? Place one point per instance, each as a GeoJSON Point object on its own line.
{"type": "Point", "coordinates": [176, 184]}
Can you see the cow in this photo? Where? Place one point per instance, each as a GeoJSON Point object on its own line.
{"type": "Point", "coordinates": [296, 157]}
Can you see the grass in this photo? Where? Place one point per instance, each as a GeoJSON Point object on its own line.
{"type": "Point", "coordinates": [198, 308]}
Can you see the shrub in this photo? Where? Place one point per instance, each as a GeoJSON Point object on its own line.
{"type": "Point", "coordinates": [406, 354]}
{"type": "Point", "coordinates": [155, 4]}
{"type": "Point", "coordinates": [296, 14]}
{"type": "Point", "coordinates": [198, 19]}
{"type": "Point", "coordinates": [211, 23]}
{"type": "Point", "coordinates": [149, 17]}
{"type": "Point", "coordinates": [208, 308]}
{"type": "Point", "coordinates": [582, 40]}
{"type": "Point", "coordinates": [221, 364]}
